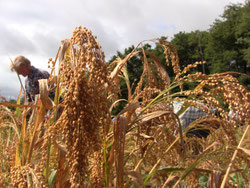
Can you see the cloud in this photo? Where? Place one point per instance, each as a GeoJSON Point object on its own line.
{"type": "Point", "coordinates": [14, 42]}
{"type": "Point", "coordinates": [48, 44]}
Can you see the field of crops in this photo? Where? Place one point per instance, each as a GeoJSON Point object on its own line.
{"type": "Point", "coordinates": [81, 143]}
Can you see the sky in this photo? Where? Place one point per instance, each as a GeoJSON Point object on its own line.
{"type": "Point", "coordinates": [35, 28]}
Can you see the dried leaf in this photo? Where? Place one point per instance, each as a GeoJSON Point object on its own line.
{"type": "Point", "coordinates": [44, 94]}
{"type": "Point", "coordinates": [120, 64]}
{"type": "Point", "coordinates": [115, 103]}
{"type": "Point", "coordinates": [247, 151]}
{"type": "Point", "coordinates": [160, 68]}
{"type": "Point", "coordinates": [119, 133]}
{"type": "Point", "coordinates": [153, 115]}
{"type": "Point", "coordinates": [64, 46]}
{"type": "Point", "coordinates": [130, 107]}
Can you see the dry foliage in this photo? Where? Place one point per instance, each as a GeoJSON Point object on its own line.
{"type": "Point", "coordinates": [82, 145]}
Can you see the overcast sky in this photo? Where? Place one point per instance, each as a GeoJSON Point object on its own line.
{"type": "Point", "coordinates": [35, 28]}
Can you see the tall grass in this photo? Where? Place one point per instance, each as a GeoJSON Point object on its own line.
{"type": "Point", "coordinates": [82, 144]}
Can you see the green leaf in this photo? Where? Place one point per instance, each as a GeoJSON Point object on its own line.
{"type": "Point", "coordinates": [170, 169]}
{"type": "Point", "coordinates": [18, 111]}
{"type": "Point", "coordinates": [52, 177]}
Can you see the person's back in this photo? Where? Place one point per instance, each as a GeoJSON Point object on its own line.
{"type": "Point", "coordinates": [23, 67]}
{"type": "Point", "coordinates": [32, 84]}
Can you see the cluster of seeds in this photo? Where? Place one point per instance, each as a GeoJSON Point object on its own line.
{"type": "Point", "coordinates": [84, 79]}
{"type": "Point", "coordinates": [24, 176]}
{"type": "Point", "coordinates": [18, 177]}
{"type": "Point", "coordinates": [171, 56]}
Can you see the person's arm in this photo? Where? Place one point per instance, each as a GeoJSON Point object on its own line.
{"type": "Point", "coordinates": [28, 92]}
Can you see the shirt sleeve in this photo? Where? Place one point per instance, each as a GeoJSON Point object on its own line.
{"type": "Point", "coordinates": [28, 93]}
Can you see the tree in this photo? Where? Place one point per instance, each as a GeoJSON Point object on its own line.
{"type": "Point", "coordinates": [243, 32]}
{"type": "Point", "coordinates": [191, 47]}
{"type": "Point", "coordinates": [227, 44]}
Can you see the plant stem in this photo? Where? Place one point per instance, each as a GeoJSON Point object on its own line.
{"type": "Point", "coordinates": [233, 158]}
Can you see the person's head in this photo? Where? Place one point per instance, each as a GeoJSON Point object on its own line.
{"type": "Point", "coordinates": [21, 65]}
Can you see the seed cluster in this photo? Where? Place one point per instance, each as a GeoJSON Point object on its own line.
{"type": "Point", "coordinates": [84, 78]}
{"type": "Point", "coordinates": [171, 56]}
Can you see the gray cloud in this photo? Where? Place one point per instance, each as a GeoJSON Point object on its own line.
{"type": "Point", "coordinates": [47, 44]}
{"type": "Point", "coordinates": [14, 42]}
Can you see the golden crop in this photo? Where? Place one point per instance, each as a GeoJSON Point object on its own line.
{"type": "Point", "coordinates": [82, 144]}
